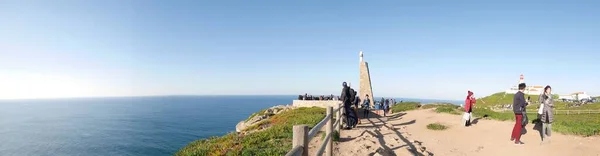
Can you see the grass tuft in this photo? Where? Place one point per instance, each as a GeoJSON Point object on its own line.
{"type": "Point", "coordinates": [436, 126]}
{"type": "Point", "coordinates": [335, 135]}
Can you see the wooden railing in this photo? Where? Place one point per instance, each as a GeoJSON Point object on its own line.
{"type": "Point", "coordinates": [301, 135]}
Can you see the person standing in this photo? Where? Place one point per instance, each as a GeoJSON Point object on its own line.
{"type": "Point", "coordinates": [356, 103]}
{"type": "Point", "coordinates": [519, 104]}
{"type": "Point", "coordinates": [366, 107]}
{"type": "Point", "coordinates": [547, 117]}
{"type": "Point", "coordinates": [346, 97]}
{"type": "Point", "coordinates": [381, 106]}
{"type": "Point", "coordinates": [386, 107]}
{"type": "Point", "coordinates": [469, 103]}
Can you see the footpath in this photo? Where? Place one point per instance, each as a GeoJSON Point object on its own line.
{"type": "Point", "coordinates": [406, 133]}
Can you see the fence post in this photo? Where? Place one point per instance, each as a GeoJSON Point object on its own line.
{"type": "Point", "coordinates": [300, 138]}
{"type": "Point", "coordinates": [328, 130]}
{"type": "Point", "coordinates": [339, 117]}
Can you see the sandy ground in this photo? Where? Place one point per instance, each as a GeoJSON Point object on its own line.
{"type": "Point", "coordinates": [406, 134]}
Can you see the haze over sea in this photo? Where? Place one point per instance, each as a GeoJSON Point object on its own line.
{"type": "Point", "coordinates": [157, 125]}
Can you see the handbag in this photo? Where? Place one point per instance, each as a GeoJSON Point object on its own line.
{"type": "Point", "coordinates": [541, 109]}
{"type": "Point", "coordinates": [466, 116]}
{"type": "Point", "coordinates": [525, 120]}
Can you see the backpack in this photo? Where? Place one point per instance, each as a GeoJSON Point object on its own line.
{"type": "Point", "coordinates": [351, 95]}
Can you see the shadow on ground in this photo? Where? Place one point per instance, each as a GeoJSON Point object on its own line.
{"type": "Point", "coordinates": [377, 121]}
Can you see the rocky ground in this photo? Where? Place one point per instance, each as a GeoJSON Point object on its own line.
{"type": "Point", "coordinates": [261, 116]}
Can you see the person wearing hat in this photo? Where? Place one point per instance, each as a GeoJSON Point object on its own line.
{"type": "Point", "coordinates": [469, 103]}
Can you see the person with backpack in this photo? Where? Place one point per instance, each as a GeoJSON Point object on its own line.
{"type": "Point", "coordinates": [351, 115]}
{"type": "Point", "coordinates": [469, 103]}
{"type": "Point", "coordinates": [347, 98]}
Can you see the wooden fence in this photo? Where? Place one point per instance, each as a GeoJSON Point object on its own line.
{"type": "Point", "coordinates": [569, 112]}
{"type": "Point", "coordinates": [301, 135]}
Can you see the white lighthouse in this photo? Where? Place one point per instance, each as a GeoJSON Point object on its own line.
{"type": "Point", "coordinates": [529, 90]}
{"type": "Point", "coordinates": [521, 79]}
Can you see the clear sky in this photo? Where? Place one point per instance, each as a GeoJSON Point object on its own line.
{"type": "Point", "coordinates": [417, 49]}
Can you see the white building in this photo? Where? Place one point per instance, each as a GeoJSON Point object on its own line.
{"type": "Point", "coordinates": [575, 96]}
{"type": "Point", "coordinates": [529, 90]}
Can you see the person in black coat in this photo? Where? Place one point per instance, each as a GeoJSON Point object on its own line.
{"type": "Point", "coordinates": [347, 98]}
{"type": "Point", "coordinates": [356, 103]}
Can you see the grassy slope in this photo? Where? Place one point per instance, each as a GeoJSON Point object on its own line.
{"type": "Point", "coordinates": [276, 140]}
{"type": "Point", "coordinates": [502, 99]}
{"type": "Point", "coordinates": [405, 106]}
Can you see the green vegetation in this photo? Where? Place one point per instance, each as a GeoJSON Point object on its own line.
{"type": "Point", "coordinates": [502, 98]}
{"type": "Point", "coordinates": [580, 124]}
{"type": "Point", "coordinates": [449, 109]}
{"type": "Point", "coordinates": [275, 140]}
{"type": "Point", "coordinates": [405, 106]}
{"type": "Point", "coordinates": [336, 136]}
{"type": "Point", "coordinates": [427, 106]}
{"type": "Point", "coordinates": [436, 126]}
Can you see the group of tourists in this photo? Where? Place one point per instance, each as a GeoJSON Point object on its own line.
{"type": "Point", "coordinates": [385, 105]}
{"type": "Point", "coordinates": [321, 97]}
{"type": "Point", "coordinates": [350, 98]}
{"type": "Point", "coordinates": [544, 113]}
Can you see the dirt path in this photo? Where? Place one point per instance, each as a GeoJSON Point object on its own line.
{"type": "Point", "coordinates": [406, 134]}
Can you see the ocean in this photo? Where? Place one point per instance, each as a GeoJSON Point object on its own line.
{"type": "Point", "coordinates": [139, 126]}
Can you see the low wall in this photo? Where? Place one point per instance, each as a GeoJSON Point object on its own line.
{"type": "Point", "coordinates": [316, 103]}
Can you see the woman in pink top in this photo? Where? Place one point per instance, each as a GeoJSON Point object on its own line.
{"type": "Point", "coordinates": [469, 102]}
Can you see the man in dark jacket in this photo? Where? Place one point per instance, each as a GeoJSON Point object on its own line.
{"type": "Point", "coordinates": [519, 104]}
{"type": "Point", "coordinates": [356, 103]}
{"type": "Point", "coordinates": [347, 101]}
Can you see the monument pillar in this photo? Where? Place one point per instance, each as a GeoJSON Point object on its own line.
{"type": "Point", "coordinates": [365, 81]}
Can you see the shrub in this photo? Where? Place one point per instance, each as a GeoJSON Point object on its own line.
{"type": "Point", "coordinates": [436, 126]}
{"type": "Point", "coordinates": [335, 135]}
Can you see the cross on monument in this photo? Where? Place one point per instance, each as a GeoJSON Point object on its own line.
{"type": "Point", "coordinates": [361, 56]}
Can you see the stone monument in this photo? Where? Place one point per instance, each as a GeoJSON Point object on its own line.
{"type": "Point", "coordinates": [365, 80]}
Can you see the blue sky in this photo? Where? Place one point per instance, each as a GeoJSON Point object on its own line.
{"type": "Point", "coordinates": [418, 49]}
